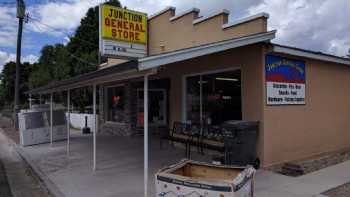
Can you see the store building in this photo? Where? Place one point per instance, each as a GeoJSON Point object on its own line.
{"type": "Point", "coordinates": [214, 70]}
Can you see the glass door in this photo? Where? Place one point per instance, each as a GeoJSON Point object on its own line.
{"type": "Point", "coordinates": [157, 107]}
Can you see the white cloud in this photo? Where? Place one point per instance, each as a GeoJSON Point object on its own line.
{"type": "Point", "coordinates": [237, 7]}
{"type": "Point", "coordinates": [65, 16]}
{"type": "Point", "coordinates": [30, 58]}
{"type": "Point", "coordinates": [309, 24]}
{"type": "Point", "coordinates": [56, 18]}
{"type": "Point", "coordinates": [8, 26]}
{"type": "Point", "coordinates": [7, 57]}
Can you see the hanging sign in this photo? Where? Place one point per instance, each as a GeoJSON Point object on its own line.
{"type": "Point", "coordinates": [285, 81]}
{"type": "Point", "coordinates": [123, 33]}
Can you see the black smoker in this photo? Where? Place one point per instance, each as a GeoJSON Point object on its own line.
{"type": "Point", "coordinates": [86, 129]}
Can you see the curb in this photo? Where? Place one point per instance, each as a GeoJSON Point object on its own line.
{"type": "Point", "coordinates": [51, 187]}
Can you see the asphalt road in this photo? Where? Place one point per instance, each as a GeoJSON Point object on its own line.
{"type": "Point", "coordinates": [16, 177]}
{"type": "Point", "coordinates": [4, 186]}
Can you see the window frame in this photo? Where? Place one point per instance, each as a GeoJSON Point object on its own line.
{"type": "Point", "coordinates": [200, 74]}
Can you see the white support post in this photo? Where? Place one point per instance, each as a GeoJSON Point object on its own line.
{"type": "Point", "coordinates": [51, 118]}
{"type": "Point", "coordinates": [201, 101]}
{"type": "Point", "coordinates": [68, 122]}
{"type": "Point", "coordinates": [30, 101]}
{"type": "Point", "coordinates": [95, 127]}
{"type": "Point", "coordinates": [145, 127]}
{"type": "Point", "coordinates": [40, 99]}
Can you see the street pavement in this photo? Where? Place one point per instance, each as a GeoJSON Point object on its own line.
{"type": "Point", "coordinates": [20, 178]}
{"type": "Point", "coordinates": [4, 186]}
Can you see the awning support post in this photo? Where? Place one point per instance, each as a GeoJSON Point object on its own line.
{"type": "Point", "coordinates": [51, 118]}
{"type": "Point", "coordinates": [95, 127]}
{"type": "Point", "coordinates": [68, 122]}
{"type": "Point", "coordinates": [30, 101]}
{"type": "Point", "coordinates": [145, 127]}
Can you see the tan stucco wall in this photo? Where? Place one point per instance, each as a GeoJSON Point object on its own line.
{"type": "Point", "coordinates": [322, 125]}
{"type": "Point", "coordinates": [166, 35]}
{"type": "Point", "coordinates": [248, 59]}
{"type": "Point", "coordinates": [112, 62]}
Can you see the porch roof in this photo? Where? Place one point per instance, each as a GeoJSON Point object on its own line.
{"type": "Point", "coordinates": [206, 49]}
{"type": "Point", "coordinates": [149, 64]}
{"type": "Point", "coordinates": [112, 73]}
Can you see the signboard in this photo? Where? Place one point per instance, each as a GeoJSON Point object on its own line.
{"type": "Point", "coordinates": [285, 81]}
{"type": "Point", "coordinates": [123, 33]}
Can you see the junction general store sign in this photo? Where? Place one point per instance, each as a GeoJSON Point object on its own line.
{"type": "Point", "coordinates": [285, 81]}
{"type": "Point", "coordinates": [123, 33]}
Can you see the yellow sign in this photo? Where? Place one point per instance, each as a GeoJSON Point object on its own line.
{"type": "Point", "coordinates": [123, 25]}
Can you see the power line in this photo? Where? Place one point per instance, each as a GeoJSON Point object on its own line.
{"type": "Point", "coordinates": [34, 20]}
{"type": "Point", "coordinates": [82, 60]}
{"type": "Point", "coordinates": [69, 53]}
{"type": "Point", "coordinates": [58, 30]}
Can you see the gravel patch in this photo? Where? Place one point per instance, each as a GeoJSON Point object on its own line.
{"type": "Point", "coordinates": [302, 167]}
{"type": "Point", "coordinates": [7, 126]}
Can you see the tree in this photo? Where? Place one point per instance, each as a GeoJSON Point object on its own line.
{"type": "Point", "coordinates": [52, 66]}
{"type": "Point", "coordinates": [348, 55]}
{"type": "Point", "coordinates": [85, 42]}
{"type": "Point", "coordinates": [7, 87]}
{"type": "Point", "coordinates": [114, 3]}
{"type": "Point", "coordinates": [79, 56]}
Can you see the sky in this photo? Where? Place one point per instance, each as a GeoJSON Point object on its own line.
{"type": "Point", "coordinates": [320, 25]}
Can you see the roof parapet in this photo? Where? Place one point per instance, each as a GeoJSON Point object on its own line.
{"type": "Point", "coordinates": [195, 10]}
{"type": "Point", "coordinates": [202, 19]}
{"type": "Point", "coordinates": [169, 8]}
{"type": "Point", "coordinates": [202, 50]}
{"type": "Point", "coordinates": [246, 19]}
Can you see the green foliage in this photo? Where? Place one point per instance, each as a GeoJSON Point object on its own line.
{"type": "Point", "coordinates": [7, 84]}
{"type": "Point", "coordinates": [84, 44]}
{"type": "Point", "coordinates": [114, 3]}
{"type": "Point", "coordinates": [52, 66]}
{"type": "Point", "coordinates": [58, 62]}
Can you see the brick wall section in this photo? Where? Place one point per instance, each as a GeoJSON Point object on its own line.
{"type": "Point", "coordinates": [101, 110]}
{"type": "Point", "coordinates": [125, 128]}
{"type": "Point", "coordinates": [133, 106]}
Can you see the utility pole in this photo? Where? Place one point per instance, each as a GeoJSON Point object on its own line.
{"type": "Point", "coordinates": [20, 15]}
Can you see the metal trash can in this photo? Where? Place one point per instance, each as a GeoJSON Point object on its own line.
{"type": "Point", "coordinates": [240, 140]}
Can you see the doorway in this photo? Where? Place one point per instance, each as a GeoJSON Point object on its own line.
{"type": "Point", "coordinates": [157, 101]}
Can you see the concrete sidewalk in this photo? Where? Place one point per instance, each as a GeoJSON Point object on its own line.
{"type": "Point", "coordinates": [119, 165]}
{"type": "Point", "coordinates": [120, 169]}
{"type": "Point", "coordinates": [269, 184]}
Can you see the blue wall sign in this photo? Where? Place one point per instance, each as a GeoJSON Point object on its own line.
{"type": "Point", "coordinates": [285, 81]}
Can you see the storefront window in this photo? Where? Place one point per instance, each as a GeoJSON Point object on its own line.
{"type": "Point", "coordinates": [193, 99]}
{"type": "Point", "coordinates": [115, 96]}
{"type": "Point", "coordinates": [214, 98]}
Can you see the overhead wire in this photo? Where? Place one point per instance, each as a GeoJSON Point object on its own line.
{"type": "Point", "coordinates": [61, 31]}
{"type": "Point", "coordinates": [58, 30]}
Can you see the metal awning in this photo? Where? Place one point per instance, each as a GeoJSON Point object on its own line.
{"type": "Point", "coordinates": [118, 72]}
{"type": "Point", "coordinates": [138, 68]}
